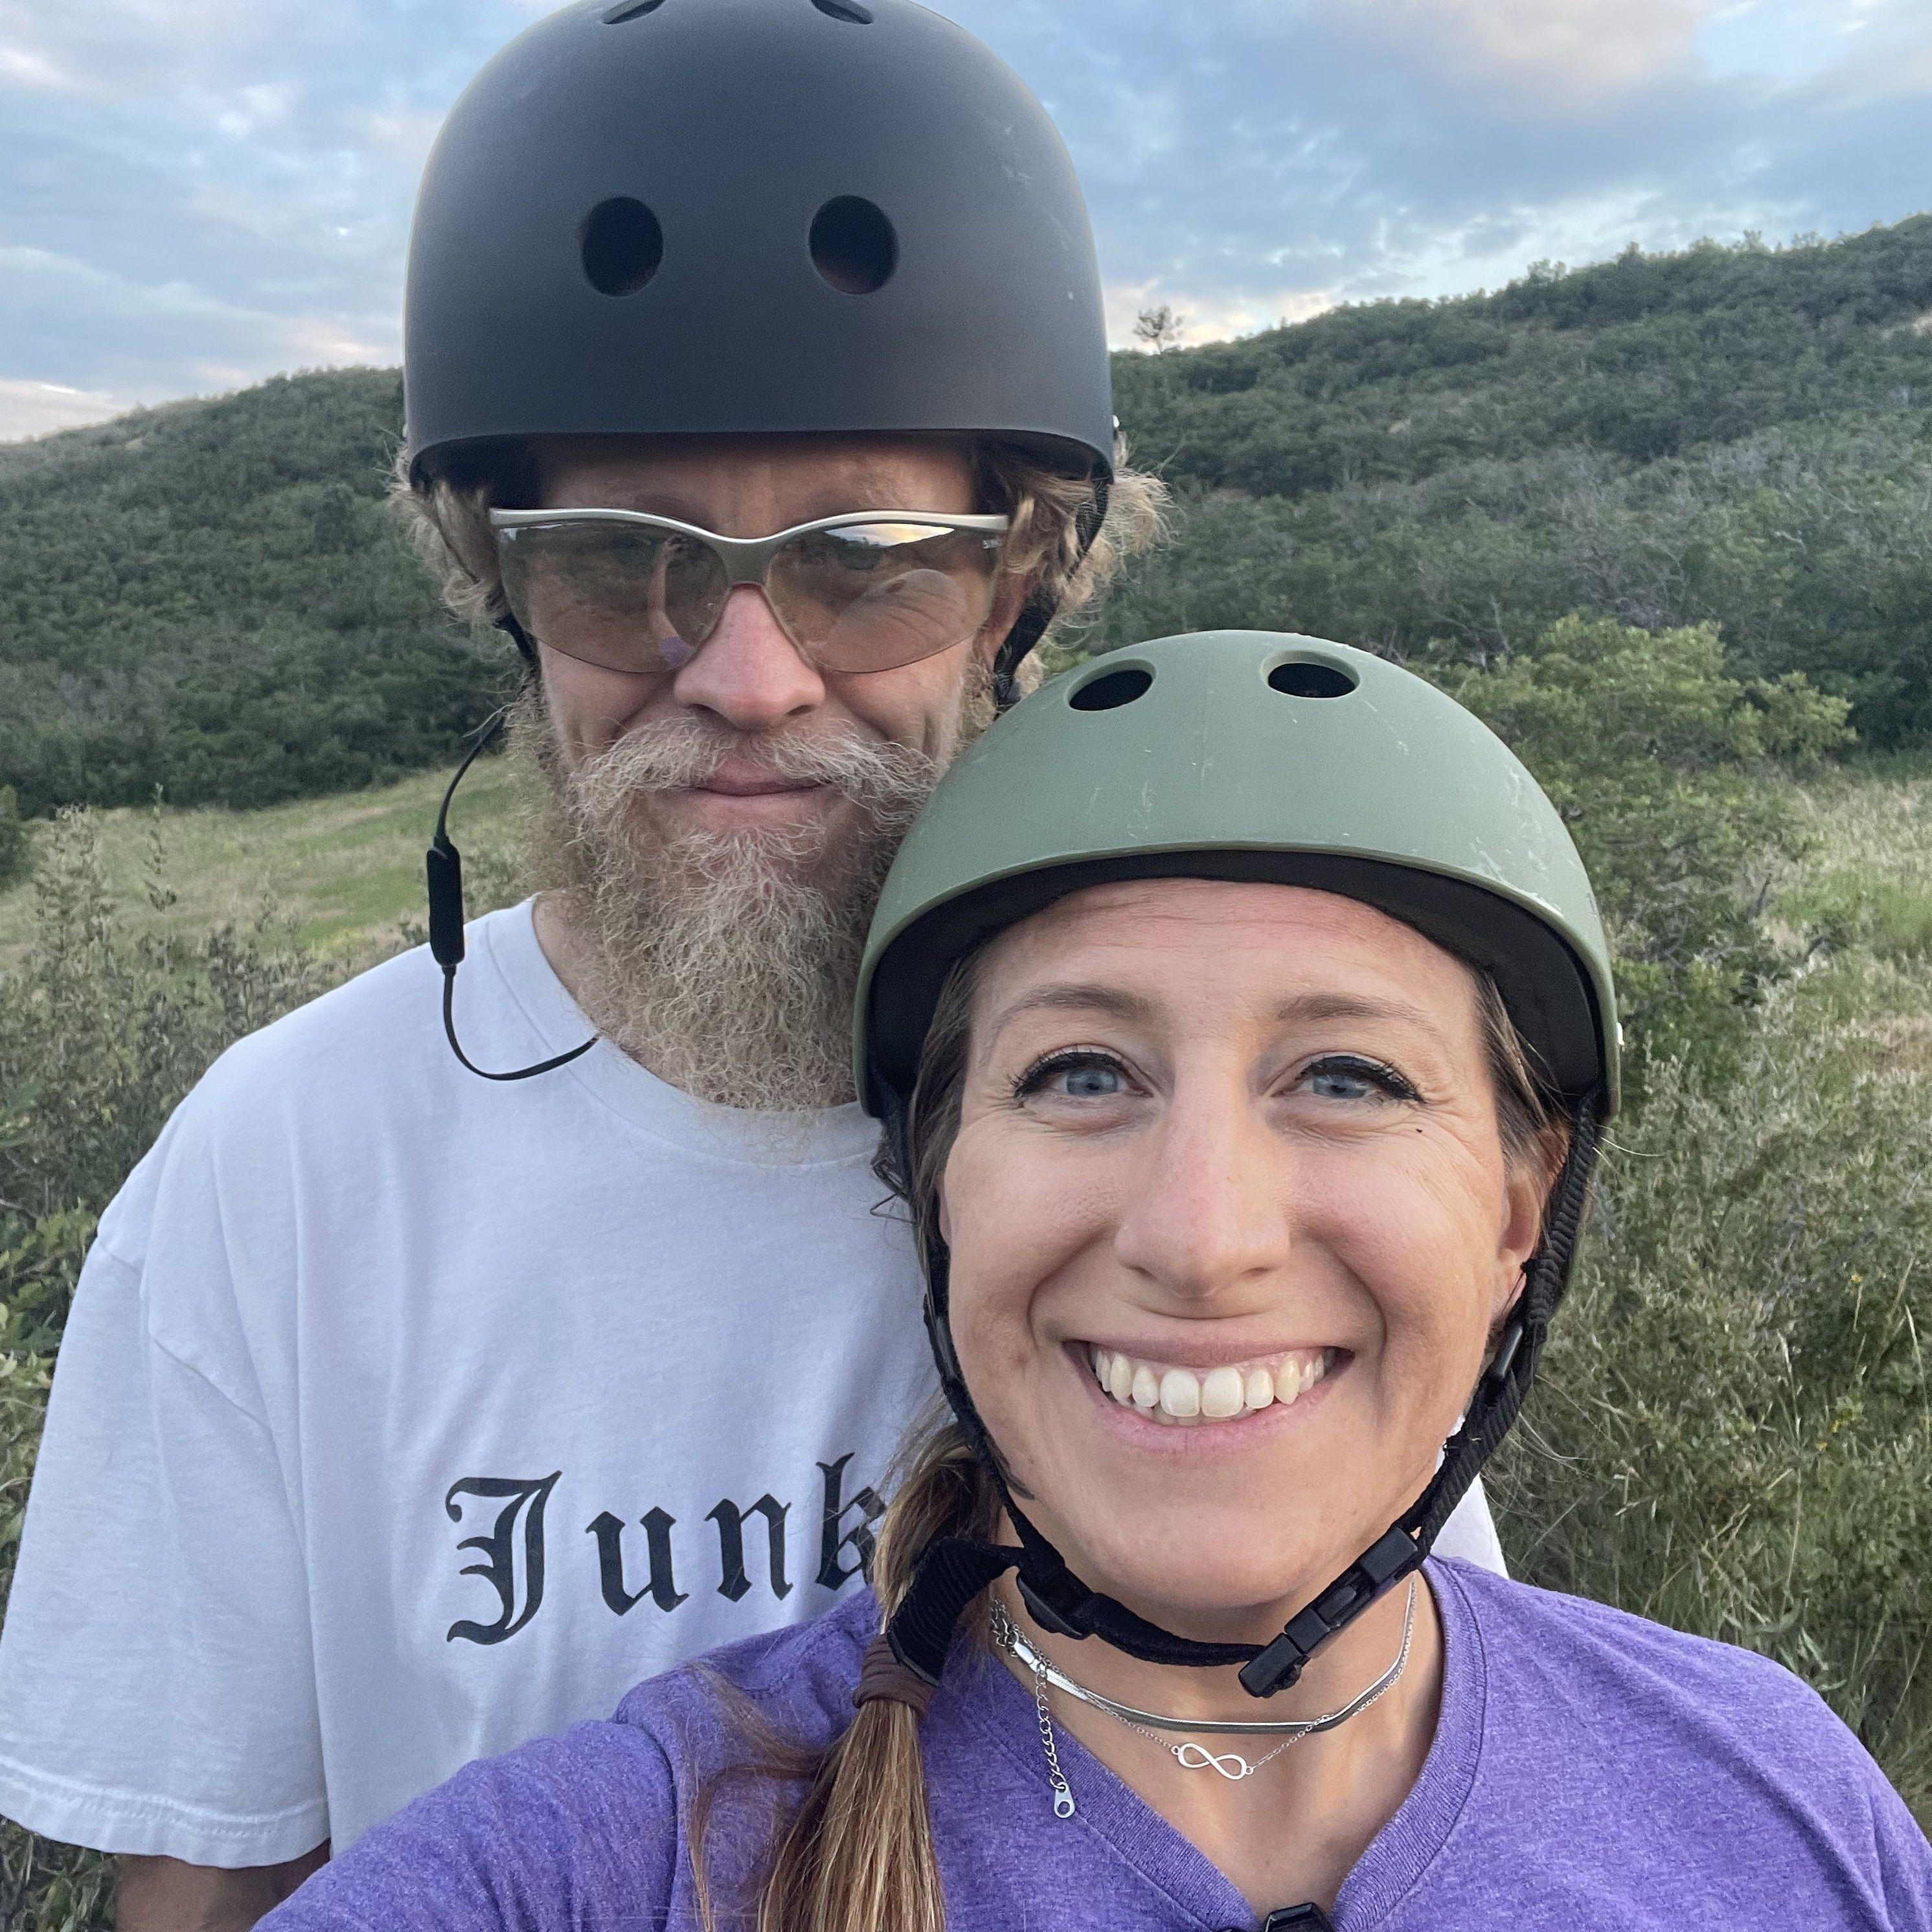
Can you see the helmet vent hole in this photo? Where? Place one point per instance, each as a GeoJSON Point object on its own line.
{"type": "Point", "coordinates": [852, 245]}
{"type": "Point", "coordinates": [1304, 680]}
{"type": "Point", "coordinates": [1111, 689]}
{"type": "Point", "coordinates": [842, 10]}
{"type": "Point", "coordinates": [629, 10]}
{"type": "Point", "coordinates": [622, 246]}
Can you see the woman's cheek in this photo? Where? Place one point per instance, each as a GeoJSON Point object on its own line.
{"type": "Point", "coordinates": [1420, 1253]}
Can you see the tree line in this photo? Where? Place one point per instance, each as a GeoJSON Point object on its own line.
{"type": "Point", "coordinates": [212, 598]}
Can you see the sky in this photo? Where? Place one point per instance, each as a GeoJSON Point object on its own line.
{"type": "Point", "coordinates": [195, 194]}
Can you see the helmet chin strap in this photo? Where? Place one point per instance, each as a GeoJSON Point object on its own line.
{"type": "Point", "coordinates": [954, 1570]}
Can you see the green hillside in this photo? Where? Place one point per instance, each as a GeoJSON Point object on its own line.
{"type": "Point", "coordinates": [1734, 435]}
{"type": "Point", "coordinates": [210, 598]}
{"type": "Point", "coordinates": [339, 874]}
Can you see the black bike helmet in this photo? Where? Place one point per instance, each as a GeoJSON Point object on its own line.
{"type": "Point", "coordinates": [664, 216]}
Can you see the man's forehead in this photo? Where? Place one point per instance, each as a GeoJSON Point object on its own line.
{"type": "Point", "coordinates": [846, 472]}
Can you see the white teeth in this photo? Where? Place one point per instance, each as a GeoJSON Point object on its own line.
{"type": "Point", "coordinates": [1180, 1393]}
{"type": "Point", "coordinates": [1188, 1399]}
{"type": "Point", "coordinates": [1223, 1394]}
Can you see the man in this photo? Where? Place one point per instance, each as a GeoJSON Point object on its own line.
{"type": "Point", "coordinates": [404, 1414]}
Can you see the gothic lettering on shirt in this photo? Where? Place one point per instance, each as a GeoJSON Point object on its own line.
{"type": "Point", "coordinates": [731, 1521]}
{"type": "Point", "coordinates": [662, 1586]}
{"type": "Point", "coordinates": [523, 1499]}
{"type": "Point", "coordinates": [513, 1548]}
{"type": "Point", "coordinates": [831, 1538]}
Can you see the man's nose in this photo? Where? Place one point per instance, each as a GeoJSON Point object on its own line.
{"type": "Point", "coordinates": [748, 672]}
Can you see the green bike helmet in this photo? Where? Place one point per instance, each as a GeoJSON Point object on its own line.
{"type": "Point", "coordinates": [1243, 755]}
{"type": "Point", "coordinates": [1248, 754]}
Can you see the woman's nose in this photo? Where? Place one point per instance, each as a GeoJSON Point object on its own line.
{"type": "Point", "coordinates": [748, 672]}
{"type": "Point", "coordinates": [1207, 1213]}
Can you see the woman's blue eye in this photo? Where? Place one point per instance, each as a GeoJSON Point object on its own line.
{"type": "Point", "coordinates": [1092, 1083]}
{"type": "Point", "coordinates": [1357, 1080]}
{"type": "Point", "coordinates": [1073, 1077]}
{"type": "Point", "coordinates": [1336, 1086]}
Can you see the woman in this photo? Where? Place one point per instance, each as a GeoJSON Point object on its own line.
{"type": "Point", "coordinates": [1242, 1026]}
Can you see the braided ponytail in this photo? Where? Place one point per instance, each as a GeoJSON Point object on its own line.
{"type": "Point", "coordinates": [857, 1854]}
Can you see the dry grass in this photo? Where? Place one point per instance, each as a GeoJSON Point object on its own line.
{"type": "Point", "coordinates": [339, 874]}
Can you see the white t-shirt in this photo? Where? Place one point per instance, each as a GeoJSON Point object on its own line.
{"type": "Point", "coordinates": [403, 1417]}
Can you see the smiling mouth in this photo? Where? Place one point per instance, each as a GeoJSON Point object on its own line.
{"type": "Point", "coordinates": [731, 786]}
{"type": "Point", "coordinates": [1190, 1399]}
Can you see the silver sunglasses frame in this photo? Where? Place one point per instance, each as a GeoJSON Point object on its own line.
{"type": "Point", "coordinates": [746, 558]}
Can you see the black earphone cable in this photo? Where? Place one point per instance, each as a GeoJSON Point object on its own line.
{"type": "Point", "coordinates": [444, 869]}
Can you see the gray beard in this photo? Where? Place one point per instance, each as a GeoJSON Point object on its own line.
{"type": "Point", "coordinates": [726, 964]}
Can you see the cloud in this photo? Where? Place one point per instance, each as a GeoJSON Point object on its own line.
{"type": "Point", "coordinates": [35, 408]}
{"type": "Point", "coordinates": [195, 193]}
{"type": "Point", "coordinates": [22, 67]}
{"type": "Point", "coordinates": [1559, 53]}
{"type": "Point", "coordinates": [1244, 158]}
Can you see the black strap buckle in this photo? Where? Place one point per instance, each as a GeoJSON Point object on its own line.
{"type": "Point", "coordinates": [1058, 1601]}
{"type": "Point", "coordinates": [1503, 1360]}
{"type": "Point", "coordinates": [1393, 1556]}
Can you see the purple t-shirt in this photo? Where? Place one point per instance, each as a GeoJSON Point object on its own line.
{"type": "Point", "coordinates": [1589, 1769]}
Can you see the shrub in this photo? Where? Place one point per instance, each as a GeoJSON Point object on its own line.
{"type": "Point", "coordinates": [16, 849]}
{"type": "Point", "coordinates": [1733, 1433]}
{"type": "Point", "coordinates": [1656, 757]}
{"type": "Point", "coordinates": [100, 1036]}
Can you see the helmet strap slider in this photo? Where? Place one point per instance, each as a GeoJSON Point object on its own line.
{"type": "Point", "coordinates": [1039, 609]}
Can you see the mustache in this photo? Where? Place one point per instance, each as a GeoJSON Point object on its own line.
{"type": "Point", "coordinates": [889, 781]}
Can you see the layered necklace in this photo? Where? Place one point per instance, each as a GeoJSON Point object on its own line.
{"type": "Point", "coordinates": [1190, 1756]}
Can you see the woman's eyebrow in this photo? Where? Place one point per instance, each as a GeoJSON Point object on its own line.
{"type": "Point", "coordinates": [1315, 1008]}
{"type": "Point", "coordinates": [1076, 998]}
{"type": "Point", "coordinates": [1303, 1008]}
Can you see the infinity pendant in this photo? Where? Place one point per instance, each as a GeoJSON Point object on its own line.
{"type": "Point", "coordinates": [1196, 1757]}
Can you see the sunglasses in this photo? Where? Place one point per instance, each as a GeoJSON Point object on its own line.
{"type": "Point", "coordinates": [867, 591]}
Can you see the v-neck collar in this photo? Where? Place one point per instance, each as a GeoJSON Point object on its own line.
{"type": "Point", "coordinates": [981, 1695]}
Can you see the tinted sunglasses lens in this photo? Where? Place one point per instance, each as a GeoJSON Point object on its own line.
{"type": "Point", "coordinates": [868, 596]}
{"type": "Point", "coordinates": [622, 596]}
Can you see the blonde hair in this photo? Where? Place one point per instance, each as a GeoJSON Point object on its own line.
{"type": "Point", "coordinates": [447, 520]}
{"type": "Point", "coordinates": [857, 1855]}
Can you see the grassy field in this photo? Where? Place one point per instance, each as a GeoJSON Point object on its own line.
{"type": "Point", "coordinates": [339, 874]}
{"type": "Point", "coordinates": [336, 874]}
{"type": "Point", "coordinates": [1862, 896]}
{"type": "Point", "coordinates": [1870, 877]}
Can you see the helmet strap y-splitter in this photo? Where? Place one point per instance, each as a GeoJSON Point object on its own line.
{"type": "Point", "coordinates": [444, 866]}
{"type": "Point", "coordinates": [953, 1570]}
{"type": "Point", "coordinates": [1040, 609]}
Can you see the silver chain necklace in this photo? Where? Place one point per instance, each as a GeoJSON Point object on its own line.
{"type": "Point", "coordinates": [1231, 1765]}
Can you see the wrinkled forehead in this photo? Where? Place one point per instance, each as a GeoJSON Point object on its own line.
{"type": "Point", "coordinates": [805, 476]}
{"type": "Point", "coordinates": [1178, 944]}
